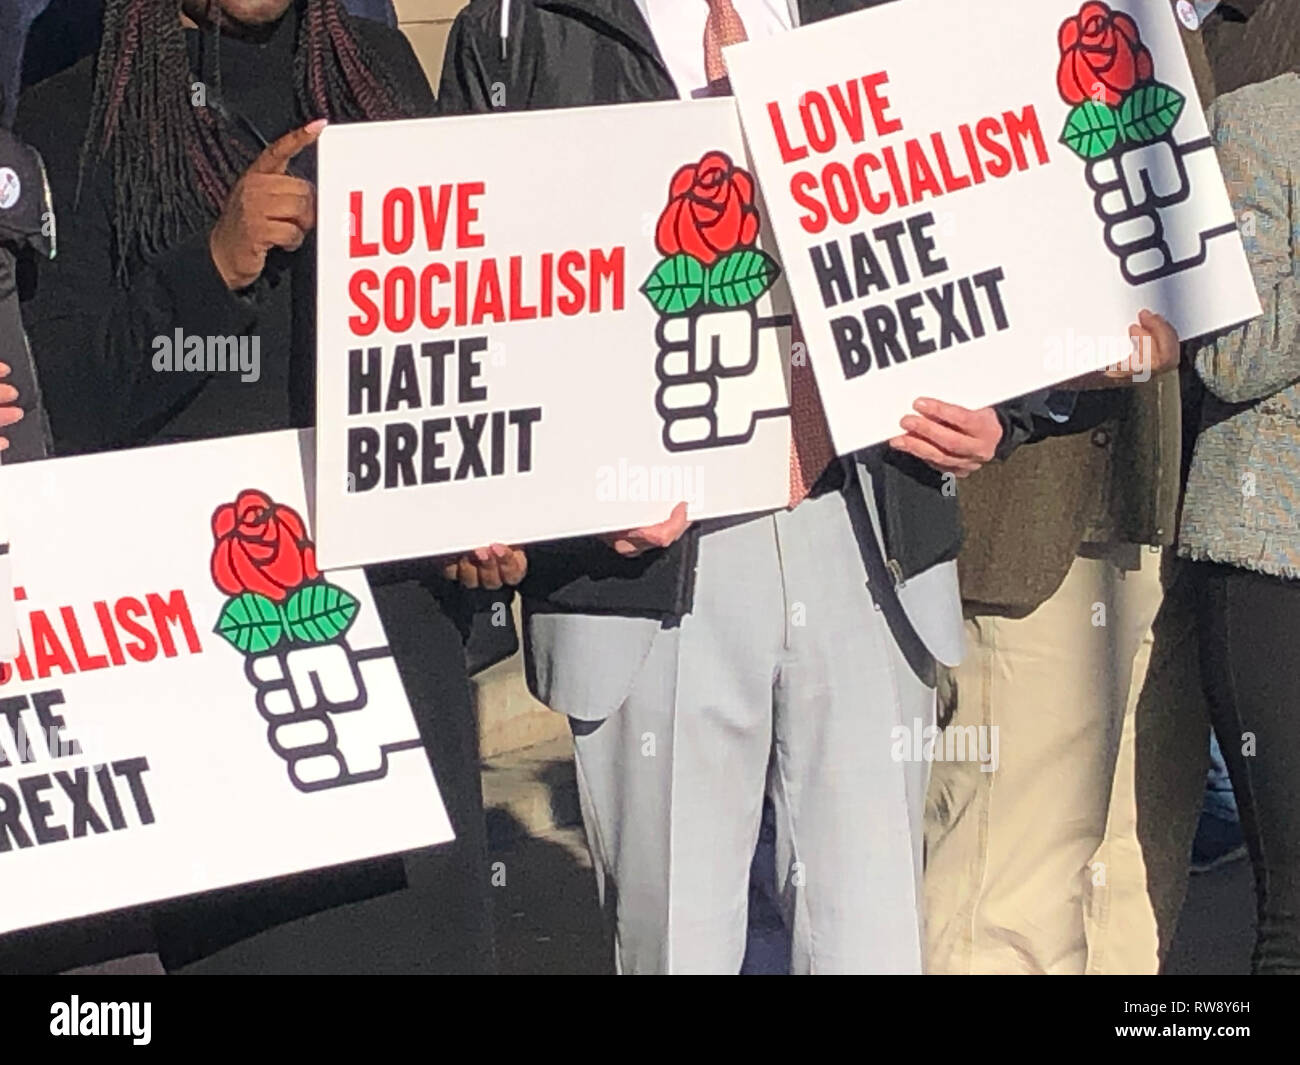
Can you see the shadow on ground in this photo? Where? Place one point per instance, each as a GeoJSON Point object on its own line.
{"type": "Point", "coordinates": [544, 903]}
{"type": "Point", "coordinates": [1216, 929]}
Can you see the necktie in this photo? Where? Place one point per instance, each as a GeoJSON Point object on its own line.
{"type": "Point", "coordinates": [811, 450]}
{"type": "Point", "coordinates": [810, 441]}
{"type": "Point", "coordinates": [721, 28]}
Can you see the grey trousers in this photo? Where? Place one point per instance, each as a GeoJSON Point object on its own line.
{"type": "Point", "coordinates": [783, 680]}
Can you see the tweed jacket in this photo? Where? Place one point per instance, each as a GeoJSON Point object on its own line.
{"type": "Point", "coordinates": [1243, 491]}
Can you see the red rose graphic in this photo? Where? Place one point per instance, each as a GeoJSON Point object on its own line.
{"type": "Point", "coordinates": [1102, 56]}
{"type": "Point", "coordinates": [710, 210]}
{"type": "Point", "coordinates": [261, 547]}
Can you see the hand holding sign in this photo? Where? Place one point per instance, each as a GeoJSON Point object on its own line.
{"type": "Point", "coordinates": [9, 414]}
{"type": "Point", "coordinates": [1156, 350]}
{"type": "Point", "coordinates": [633, 542]}
{"type": "Point", "coordinates": [488, 567]}
{"type": "Point", "coordinates": [526, 361]}
{"type": "Point", "coordinates": [949, 438]}
{"type": "Point", "coordinates": [266, 209]}
{"type": "Point", "coordinates": [1025, 250]}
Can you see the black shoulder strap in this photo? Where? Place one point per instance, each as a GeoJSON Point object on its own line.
{"type": "Point", "coordinates": [881, 584]}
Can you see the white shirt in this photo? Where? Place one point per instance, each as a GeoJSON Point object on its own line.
{"type": "Point", "coordinates": [678, 29]}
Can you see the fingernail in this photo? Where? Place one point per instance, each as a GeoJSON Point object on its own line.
{"type": "Point", "coordinates": [923, 405]}
{"type": "Point", "coordinates": [318, 125]}
{"type": "Point", "coordinates": [481, 553]}
{"type": "Point", "coordinates": [500, 550]}
{"type": "Point", "coordinates": [909, 423]}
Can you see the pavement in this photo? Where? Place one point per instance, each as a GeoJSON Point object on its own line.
{"type": "Point", "coordinates": [548, 918]}
{"type": "Point", "coordinates": [1216, 929]}
{"type": "Point", "coordinates": [544, 903]}
{"type": "Point", "coordinates": [546, 914]}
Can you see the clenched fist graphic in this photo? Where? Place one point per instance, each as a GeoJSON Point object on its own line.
{"type": "Point", "coordinates": [1139, 194]}
{"type": "Point", "coordinates": [291, 624]}
{"type": "Point", "coordinates": [1122, 123]}
{"type": "Point", "coordinates": [718, 372]}
{"type": "Point", "coordinates": [319, 718]}
{"type": "Point", "coordinates": [721, 366]}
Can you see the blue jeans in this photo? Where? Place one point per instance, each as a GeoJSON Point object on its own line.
{"type": "Point", "coordinates": [1220, 802]}
{"type": "Point", "coordinates": [767, 943]}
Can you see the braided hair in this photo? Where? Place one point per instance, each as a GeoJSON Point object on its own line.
{"type": "Point", "coordinates": [173, 163]}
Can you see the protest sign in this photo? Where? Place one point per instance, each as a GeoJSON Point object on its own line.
{"type": "Point", "coordinates": [8, 626]}
{"type": "Point", "coordinates": [543, 324]}
{"type": "Point", "coordinates": [194, 704]}
{"type": "Point", "coordinates": [973, 201]}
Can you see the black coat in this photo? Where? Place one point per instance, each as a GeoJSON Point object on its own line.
{"type": "Point", "coordinates": [568, 53]}
{"type": "Point", "coordinates": [91, 331]}
{"type": "Point", "coordinates": [24, 231]}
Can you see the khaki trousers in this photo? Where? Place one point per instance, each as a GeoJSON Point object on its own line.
{"type": "Point", "coordinates": [1071, 856]}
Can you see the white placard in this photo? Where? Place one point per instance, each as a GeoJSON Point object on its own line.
{"type": "Point", "coordinates": [194, 704]}
{"type": "Point", "coordinates": [8, 625]}
{"type": "Point", "coordinates": [974, 200]}
{"type": "Point", "coordinates": [543, 324]}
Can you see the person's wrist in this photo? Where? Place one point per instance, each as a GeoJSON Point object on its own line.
{"type": "Point", "coordinates": [230, 275]}
{"type": "Point", "coordinates": [218, 259]}
{"type": "Point", "coordinates": [1006, 436]}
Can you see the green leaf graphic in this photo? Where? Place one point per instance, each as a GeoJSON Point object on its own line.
{"type": "Point", "coordinates": [1149, 112]}
{"type": "Point", "coordinates": [251, 622]}
{"type": "Point", "coordinates": [1091, 130]}
{"type": "Point", "coordinates": [319, 613]}
{"type": "Point", "coordinates": [676, 284]}
{"type": "Point", "coordinates": [740, 277]}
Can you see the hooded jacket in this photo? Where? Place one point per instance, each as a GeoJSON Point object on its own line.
{"type": "Point", "coordinates": [517, 55]}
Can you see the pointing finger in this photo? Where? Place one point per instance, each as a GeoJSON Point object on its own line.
{"type": "Point", "coordinates": [275, 158]}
